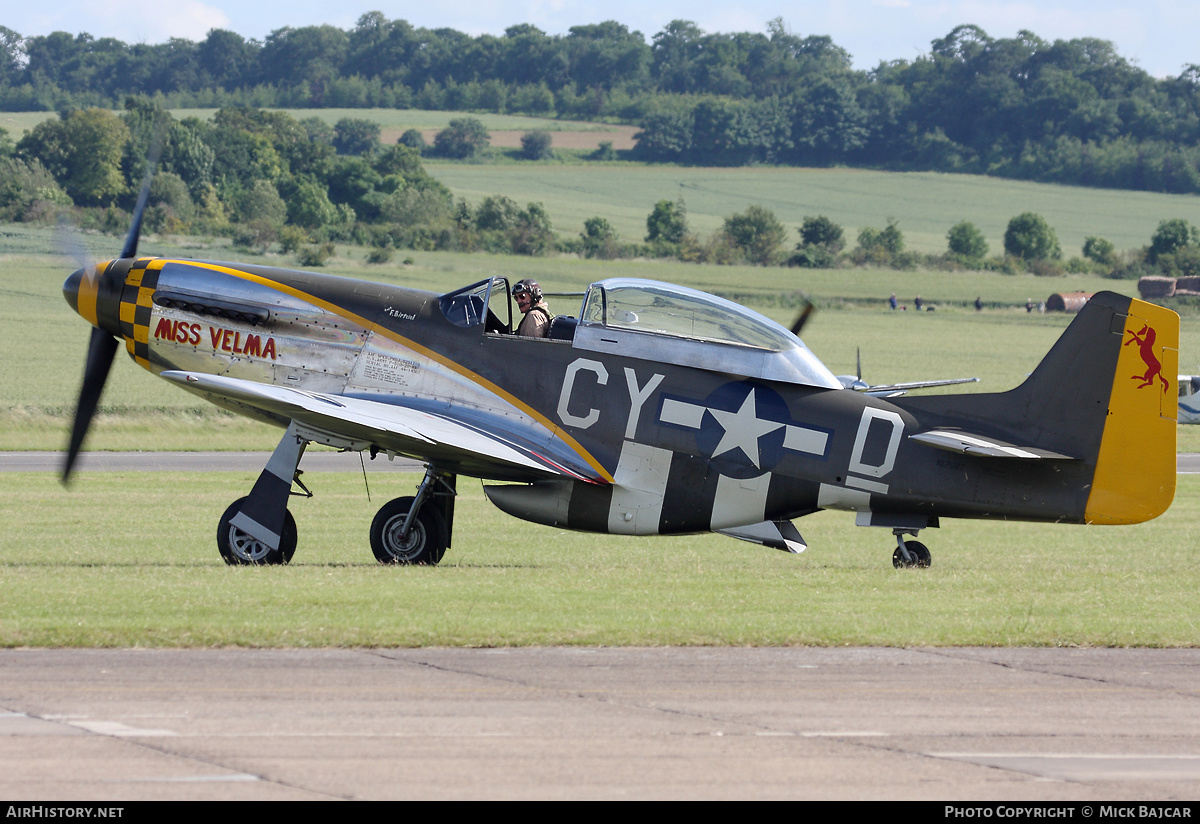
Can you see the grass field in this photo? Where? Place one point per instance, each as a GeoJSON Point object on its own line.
{"type": "Point", "coordinates": [17, 123]}
{"type": "Point", "coordinates": [129, 560]}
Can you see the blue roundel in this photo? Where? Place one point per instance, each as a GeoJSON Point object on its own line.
{"type": "Point", "coordinates": [743, 429]}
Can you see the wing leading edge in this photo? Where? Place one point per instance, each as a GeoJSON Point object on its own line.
{"type": "Point", "coordinates": [475, 447]}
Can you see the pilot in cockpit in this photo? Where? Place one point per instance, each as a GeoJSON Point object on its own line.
{"type": "Point", "coordinates": [528, 295]}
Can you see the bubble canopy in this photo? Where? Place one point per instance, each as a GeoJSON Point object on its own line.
{"type": "Point", "coordinates": [686, 323]}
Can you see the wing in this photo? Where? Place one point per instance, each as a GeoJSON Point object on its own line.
{"type": "Point", "coordinates": [474, 443]}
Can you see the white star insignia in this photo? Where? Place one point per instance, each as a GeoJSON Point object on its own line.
{"type": "Point", "coordinates": [742, 429]}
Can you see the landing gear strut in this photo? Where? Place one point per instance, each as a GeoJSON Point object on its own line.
{"type": "Point", "coordinates": [416, 529]}
{"type": "Point", "coordinates": [910, 554]}
{"type": "Point", "coordinates": [258, 529]}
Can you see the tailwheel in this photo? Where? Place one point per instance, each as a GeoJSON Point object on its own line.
{"type": "Point", "coordinates": [241, 548]}
{"type": "Point", "coordinates": [918, 556]}
{"type": "Point", "coordinates": [425, 541]}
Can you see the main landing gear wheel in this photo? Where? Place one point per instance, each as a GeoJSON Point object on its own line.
{"type": "Point", "coordinates": [239, 548]}
{"type": "Point", "coordinates": [921, 558]}
{"type": "Point", "coordinates": [426, 540]}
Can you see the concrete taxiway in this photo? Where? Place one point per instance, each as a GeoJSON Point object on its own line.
{"type": "Point", "coordinates": [808, 723]}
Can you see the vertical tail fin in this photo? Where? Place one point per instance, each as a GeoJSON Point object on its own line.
{"type": "Point", "coordinates": [1104, 395]}
{"type": "Point", "coordinates": [1135, 469]}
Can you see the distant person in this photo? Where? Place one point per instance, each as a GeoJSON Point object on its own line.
{"type": "Point", "coordinates": [978, 304]}
{"type": "Point", "coordinates": [892, 301]}
{"type": "Point", "coordinates": [536, 323]}
{"type": "Point", "coordinates": [1029, 305]}
{"type": "Point", "coordinates": [918, 303]}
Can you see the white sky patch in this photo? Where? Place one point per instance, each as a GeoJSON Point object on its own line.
{"type": "Point", "coordinates": [1141, 32]}
{"type": "Point", "coordinates": [1157, 35]}
{"type": "Point", "coordinates": [131, 21]}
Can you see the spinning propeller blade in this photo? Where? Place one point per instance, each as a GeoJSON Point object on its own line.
{"type": "Point", "coordinates": [135, 227]}
{"type": "Point", "coordinates": [803, 317]}
{"type": "Point", "coordinates": [102, 347]}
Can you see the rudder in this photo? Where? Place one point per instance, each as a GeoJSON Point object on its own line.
{"type": "Point", "coordinates": [1134, 479]}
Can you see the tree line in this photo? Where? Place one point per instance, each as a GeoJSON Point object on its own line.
{"type": "Point", "coordinates": [1030, 244]}
{"type": "Point", "coordinates": [1068, 111]}
{"type": "Point", "coordinates": [258, 176]}
{"type": "Point", "coordinates": [267, 180]}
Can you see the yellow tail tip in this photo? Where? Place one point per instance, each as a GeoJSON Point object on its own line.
{"type": "Point", "coordinates": [1135, 470]}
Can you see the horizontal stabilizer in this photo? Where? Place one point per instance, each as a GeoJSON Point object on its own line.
{"type": "Point", "coordinates": [774, 534]}
{"type": "Point", "coordinates": [893, 390]}
{"type": "Point", "coordinates": [953, 440]}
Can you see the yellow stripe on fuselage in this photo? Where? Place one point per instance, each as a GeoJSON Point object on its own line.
{"type": "Point", "coordinates": [1135, 471]}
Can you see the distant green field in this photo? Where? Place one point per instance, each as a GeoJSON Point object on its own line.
{"type": "Point", "coordinates": [129, 560]}
{"type": "Point", "coordinates": [17, 123]}
{"type": "Point", "coordinates": [926, 204]}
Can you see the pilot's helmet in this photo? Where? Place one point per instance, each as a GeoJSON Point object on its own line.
{"type": "Point", "coordinates": [528, 285]}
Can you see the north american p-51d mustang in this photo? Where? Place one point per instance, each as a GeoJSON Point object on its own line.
{"type": "Point", "coordinates": [655, 410]}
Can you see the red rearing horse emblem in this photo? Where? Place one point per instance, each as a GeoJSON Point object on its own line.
{"type": "Point", "coordinates": [1145, 343]}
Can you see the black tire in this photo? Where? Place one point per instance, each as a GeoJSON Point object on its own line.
{"type": "Point", "coordinates": [239, 549]}
{"type": "Point", "coordinates": [921, 557]}
{"type": "Point", "coordinates": [427, 539]}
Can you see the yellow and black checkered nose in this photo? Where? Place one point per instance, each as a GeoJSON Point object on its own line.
{"type": "Point", "coordinates": [95, 293]}
{"type": "Point", "coordinates": [116, 296]}
{"type": "Point", "coordinates": [136, 307]}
